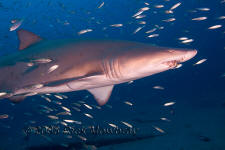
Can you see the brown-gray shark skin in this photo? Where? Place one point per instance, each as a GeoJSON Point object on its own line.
{"type": "Point", "coordinates": [53, 66]}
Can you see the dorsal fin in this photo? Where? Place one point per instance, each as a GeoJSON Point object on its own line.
{"type": "Point", "coordinates": [102, 94]}
{"type": "Point", "coordinates": [27, 38]}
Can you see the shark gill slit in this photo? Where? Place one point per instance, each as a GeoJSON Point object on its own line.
{"type": "Point", "coordinates": [105, 70]}
{"type": "Point", "coordinates": [108, 68]}
{"type": "Point", "coordinates": [111, 64]}
{"type": "Point", "coordinates": [113, 68]}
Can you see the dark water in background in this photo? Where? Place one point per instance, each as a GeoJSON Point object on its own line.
{"type": "Point", "coordinates": [197, 87]}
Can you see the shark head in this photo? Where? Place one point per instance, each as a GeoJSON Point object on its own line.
{"type": "Point", "coordinates": [169, 59]}
{"type": "Point", "coordinates": [153, 60]}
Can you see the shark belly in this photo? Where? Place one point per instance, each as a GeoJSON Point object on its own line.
{"type": "Point", "coordinates": [80, 84]}
{"type": "Point", "coordinates": [99, 86]}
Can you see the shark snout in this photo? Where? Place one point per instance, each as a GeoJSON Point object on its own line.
{"type": "Point", "coordinates": [182, 55]}
{"type": "Point", "coordinates": [190, 54]}
{"type": "Point", "coordinates": [179, 56]}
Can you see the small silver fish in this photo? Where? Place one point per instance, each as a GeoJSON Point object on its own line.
{"type": "Point", "coordinates": [2, 94]}
{"type": "Point", "coordinates": [46, 98]}
{"type": "Point", "coordinates": [159, 6]}
{"type": "Point", "coordinates": [215, 27]}
{"type": "Point", "coordinates": [178, 66]}
{"type": "Point", "coordinates": [158, 87]}
{"type": "Point", "coordinates": [144, 9]}
{"type": "Point", "coordinates": [82, 138]}
{"type": "Point", "coordinates": [88, 115]}
{"type": "Point", "coordinates": [128, 103]}
{"type": "Point", "coordinates": [102, 4]}
{"type": "Point", "coordinates": [187, 41]}
{"type": "Point", "coordinates": [16, 25]}
{"type": "Point", "coordinates": [42, 60]}
{"type": "Point", "coordinates": [127, 124]}
{"type": "Point", "coordinates": [137, 30]}
{"type": "Point", "coordinates": [140, 16]}
{"type": "Point", "coordinates": [87, 106]}
{"type": "Point", "coordinates": [153, 35]}
{"type": "Point", "coordinates": [142, 22]}
{"type": "Point", "coordinates": [164, 119]}
{"type": "Point", "coordinates": [203, 9]}
{"type": "Point", "coordinates": [63, 113]}
{"type": "Point", "coordinates": [72, 121]}
{"type": "Point", "coordinates": [112, 125]}
{"type": "Point", "coordinates": [59, 97]}
{"type": "Point", "coordinates": [84, 31]}
{"type": "Point", "coordinates": [63, 123]}
{"type": "Point", "coordinates": [221, 17]}
{"type": "Point", "coordinates": [182, 38]}
{"type": "Point", "coordinates": [200, 62]}
{"type": "Point", "coordinates": [168, 11]}
{"type": "Point", "coordinates": [150, 31]}
{"type": "Point", "coordinates": [53, 117]}
{"type": "Point", "coordinates": [53, 68]}
{"type": "Point", "coordinates": [175, 6]}
{"type": "Point", "coordinates": [158, 129]}
{"type": "Point", "coordinates": [199, 18]}
{"type": "Point", "coordinates": [169, 20]}
{"type": "Point", "coordinates": [169, 104]}
{"type": "Point", "coordinates": [66, 109]}
{"type": "Point", "coordinates": [116, 25]}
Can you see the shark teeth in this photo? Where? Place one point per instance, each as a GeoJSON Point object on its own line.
{"type": "Point", "coordinates": [171, 64]}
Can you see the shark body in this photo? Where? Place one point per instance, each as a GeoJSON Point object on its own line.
{"type": "Point", "coordinates": [45, 66]}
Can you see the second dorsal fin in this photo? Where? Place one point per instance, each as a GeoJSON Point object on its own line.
{"type": "Point", "coordinates": [27, 38]}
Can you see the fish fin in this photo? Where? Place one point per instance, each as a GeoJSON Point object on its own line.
{"type": "Point", "coordinates": [27, 38]}
{"type": "Point", "coordinates": [102, 94]}
{"type": "Point", "coordinates": [17, 99]}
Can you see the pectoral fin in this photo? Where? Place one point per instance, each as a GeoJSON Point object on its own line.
{"type": "Point", "coordinates": [102, 94]}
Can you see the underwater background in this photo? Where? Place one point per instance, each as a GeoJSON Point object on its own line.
{"type": "Point", "coordinates": [195, 92]}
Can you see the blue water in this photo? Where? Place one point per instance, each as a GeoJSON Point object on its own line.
{"type": "Point", "coordinates": [197, 117]}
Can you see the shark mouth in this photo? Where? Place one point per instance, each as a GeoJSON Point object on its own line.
{"type": "Point", "coordinates": [172, 63]}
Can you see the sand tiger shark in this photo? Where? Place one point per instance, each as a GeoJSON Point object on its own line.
{"type": "Point", "coordinates": [54, 66]}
